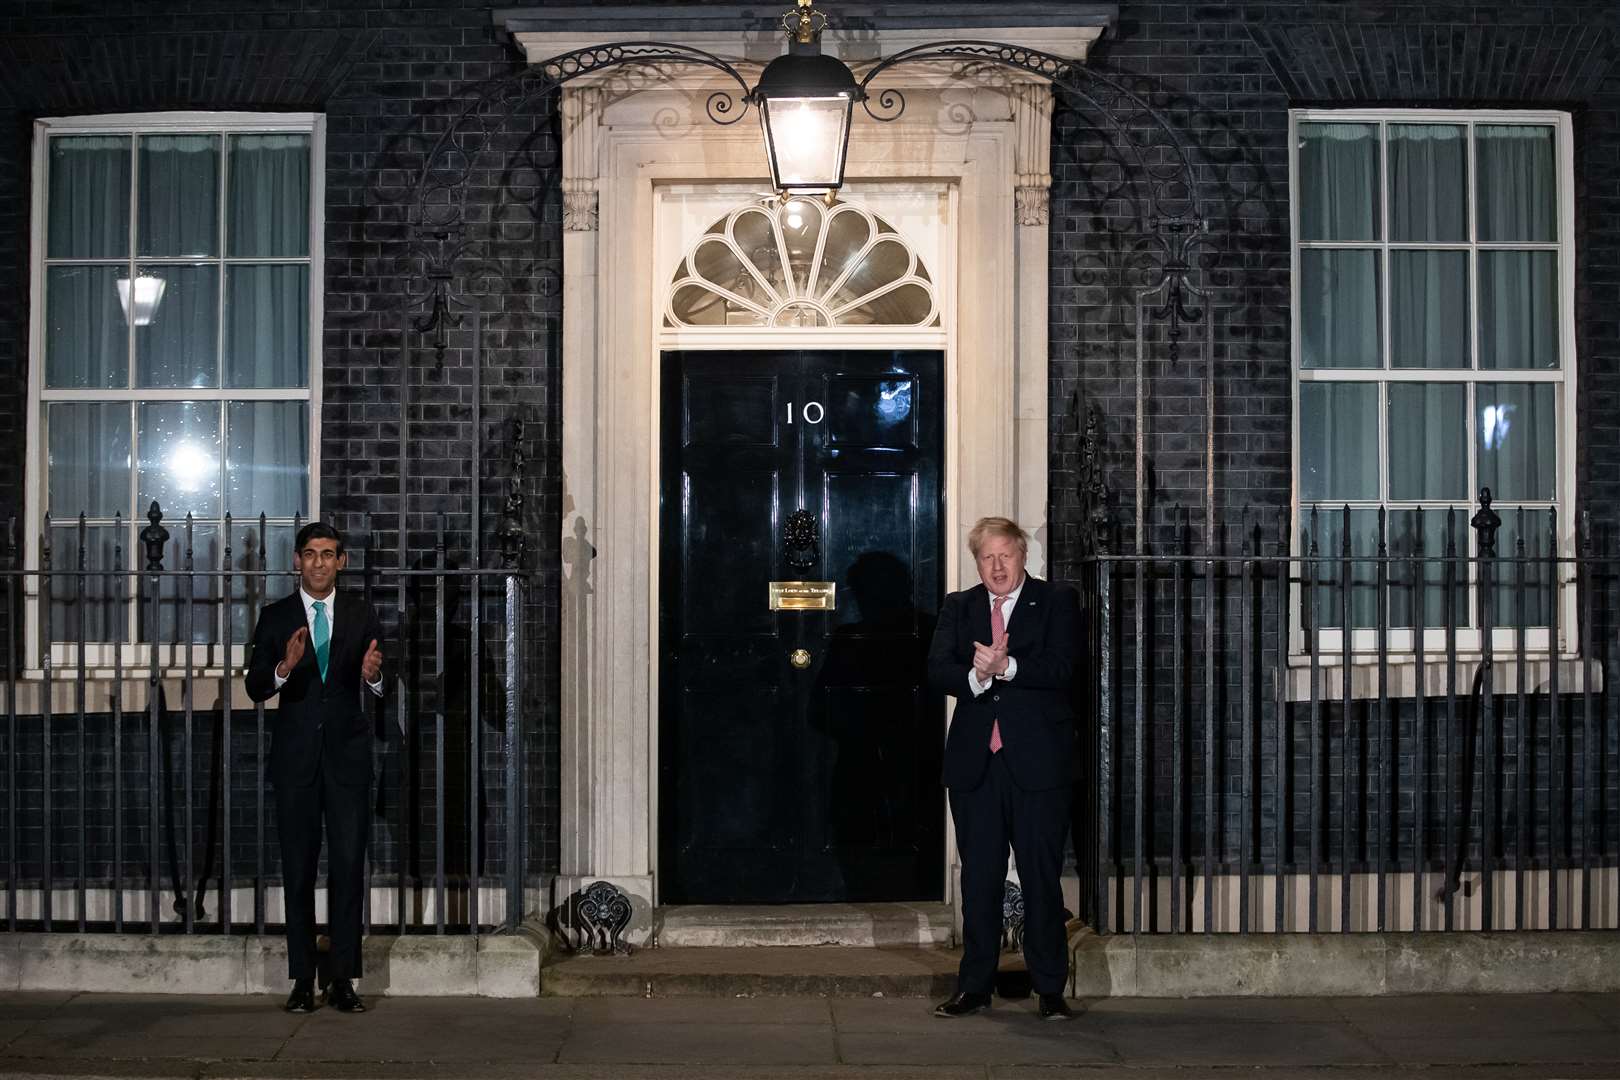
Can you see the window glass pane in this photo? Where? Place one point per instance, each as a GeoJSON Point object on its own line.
{"type": "Point", "coordinates": [1428, 309]}
{"type": "Point", "coordinates": [267, 326]}
{"type": "Point", "coordinates": [1338, 309]}
{"type": "Point", "coordinates": [251, 586]}
{"type": "Point", "coordinates": [1428, 431]}
{"type": "Point", "coordinates": [906, 306]}
{"type": "Point", "coordinates": [179, 459]}
{"type": "Point", "coordinates": [1428, 182]}
{"type": "Point", "coordinates": [1421, 535]}
{"type": "Point", "coordinates": [88, 216]}
{"type": "Point", "coordinates": [1338, 182]}
{"type": "Point", "coordinates": [88, 467]}
{"type": "Point", "coordinates": [267, 204]}
{"type": "Point", "coordinates": [1518, 309]}
{"type": "Point", "coordinates": [179, 343]}
{"type": "Point", "coordinates": [188, 609]}
{"type": "Point", "coordinates": [846, 238]}
{"type": "Point", "coordinates": [1533, 526]}
{"type": "Point", "coordinates": [86, 337]}
{"type": "Point", "coordinates": [88, 607]}
{"type": "Point", "coordinates": [1517, 433]}
{"type": "Point", "coordinates": [1517, 182]}
{"type": "Point", "coordinates": [885, 263]}
{"type": "Point", "coordinates": [267, 460]}
{"type": "Point", "coordinates": [1326, 574]}
{"type": "Point", "coordinates": [756, 236]}
{"type": "Point", "coordinates": [1338, 441]}
{"type": "Point", "coordinates": [178, 200]}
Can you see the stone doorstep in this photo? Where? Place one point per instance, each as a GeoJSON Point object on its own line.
{"type": "Point", "coordinates": [505, 965]}
{"type": "Point", "coordinates": [887, 925]}
{"type": "Point", "coordinates": [747, 971]}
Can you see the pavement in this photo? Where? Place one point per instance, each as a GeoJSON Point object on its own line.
{"type": "Point", "coordinates": [812, 1038]}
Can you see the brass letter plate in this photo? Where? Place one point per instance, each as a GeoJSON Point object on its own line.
{"type": "Point", "coordinates": [803, 595]}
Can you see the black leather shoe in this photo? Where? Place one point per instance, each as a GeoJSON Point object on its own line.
{"type": "Point", "coordinates": [1054, 1007]}
{"type": "Point", "coordinates": [963, 1005]}
{"type": "Point", "coordinates": [302, 998]}
{"type": "Point", "coordinates": [341, 996]}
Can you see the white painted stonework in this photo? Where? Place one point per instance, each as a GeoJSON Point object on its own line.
{"type": "Point", "coordinates": [964, 173]}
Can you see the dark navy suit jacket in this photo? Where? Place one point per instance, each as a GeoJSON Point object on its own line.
{"type": "Point", "coordinates": [318, 724]}
{"type": "Point", "coordinates": [1035, 708]}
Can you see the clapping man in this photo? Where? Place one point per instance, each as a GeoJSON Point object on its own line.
{"type": "Point", "coordinates": [317, 652]}
{"type": "Point", "coordinates": [1005, 649]}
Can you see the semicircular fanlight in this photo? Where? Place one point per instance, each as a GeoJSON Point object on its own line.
{"type": "Point", "coordinates": [798, 263]}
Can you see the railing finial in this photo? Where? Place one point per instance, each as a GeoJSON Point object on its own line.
{"type": "Point", "coordinates": [1485, 522]}
{"type": "Point", "coordinates": [154, 536]}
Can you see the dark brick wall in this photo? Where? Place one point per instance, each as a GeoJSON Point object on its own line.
{"type": "Point", "coordinates": [388, 79]}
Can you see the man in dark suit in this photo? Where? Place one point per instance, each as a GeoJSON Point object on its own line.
{"type": "Point", "coordinates": [317, 651]}
{"type": "Point", "coordinates": [1005, 649]}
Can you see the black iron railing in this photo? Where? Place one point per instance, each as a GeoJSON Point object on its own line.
{"type": "Point", "coordinates": [1356, 720]}
{"type": "Point", "coordinates": [135, 790]}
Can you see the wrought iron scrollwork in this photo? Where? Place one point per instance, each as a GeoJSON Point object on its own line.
{"type": "Point", "coordinates": [510, 535]}
{"type": "Point", "coordinates": [801, 540]}
{"type": "Point", "coordinates": [1012, 917]}
{"type": "Point", "coordinates": [1095, 495]}
{"type": "Point", "coordinates": [594, 919]}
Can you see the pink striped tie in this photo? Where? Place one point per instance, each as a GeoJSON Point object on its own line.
{"type": "Point", "coordinates": [998, 627]}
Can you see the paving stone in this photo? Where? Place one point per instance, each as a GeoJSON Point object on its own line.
{"type": "Point", "coordinates": [164, 1015]}
{"type": "Point", "coordinates": [1204, 1044]}
{"type": "Point", "coordinates": [1213, 1010]}
{"type": "Point", "coordinates": [986, 1040]}
{"type": "Point", "coordinates": [127, 1045]}
{"type": "Point", "coordinates": [702, 1044]}
{"type": "Point", "coordinates": [1460, 1017]}
{"type": "Point", "coordinates": [15, 1006]}
{"type": "Point", "coordinates": [400, 1029]}
{"type": "Point", "coordinates": [693, 1010]}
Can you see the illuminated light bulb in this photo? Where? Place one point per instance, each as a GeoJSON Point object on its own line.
{"type": "Point", "coordinates": [190, 466]}
{"type": "Point", "coordinates": [142, 306]}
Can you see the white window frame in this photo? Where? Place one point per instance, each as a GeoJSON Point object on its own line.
{"type": "Point", "coordinates": [1400, 643]}
{"type": "Point", "coordinates": [99, 657]}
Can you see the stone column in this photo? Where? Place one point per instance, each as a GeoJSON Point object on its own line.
{"type": "Point", "coordinates": [1032, 156]}
{"type": "Point", "coordinates": [604, 780]}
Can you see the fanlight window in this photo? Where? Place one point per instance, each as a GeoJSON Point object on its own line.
{"type": "Point", "coordinates": [801, 263]}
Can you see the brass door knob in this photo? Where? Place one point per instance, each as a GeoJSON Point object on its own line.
{"type": "Point", "coordinates": [799, 658]}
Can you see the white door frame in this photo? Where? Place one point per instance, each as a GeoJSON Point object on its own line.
{"type": "Point", "coordinates": [984, 136]}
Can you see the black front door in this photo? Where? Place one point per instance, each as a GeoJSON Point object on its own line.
{"type": "Point", "coordinates": [800, 750]}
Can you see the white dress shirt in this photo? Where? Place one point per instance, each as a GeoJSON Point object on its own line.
{"type": "Point", "coordinates": [1006, 622]}
{"type": "Point", "coordinates": [330, 602]}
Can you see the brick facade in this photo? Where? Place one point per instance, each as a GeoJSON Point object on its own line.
{"type": "Point", "coordinates": [388, 77]}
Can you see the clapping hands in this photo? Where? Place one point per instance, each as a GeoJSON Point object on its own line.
{"type": "Point", "coordinates": [371, 665]}
{"type": "Point", "coordinates": [990, 660]}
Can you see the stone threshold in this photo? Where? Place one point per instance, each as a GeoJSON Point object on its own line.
{"type": "Point", "coordinates": [490, 965]}
{"type": "Point", "coordinates": [880, 925]}
{"type": "Point", "coordinates": [747, 971]}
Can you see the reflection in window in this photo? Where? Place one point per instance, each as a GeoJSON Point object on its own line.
{"type": "Point", "coordinates": [798, 264]}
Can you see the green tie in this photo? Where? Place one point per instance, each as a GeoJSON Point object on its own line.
{"type": "Point", "coordinates": [322, 637]}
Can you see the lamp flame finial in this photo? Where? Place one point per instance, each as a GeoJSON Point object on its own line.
{"type": "Point", "coordinates": [804, 24]}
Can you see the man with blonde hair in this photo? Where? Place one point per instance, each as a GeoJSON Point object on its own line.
{"type": "Point", "coordinates": [1005, 649]}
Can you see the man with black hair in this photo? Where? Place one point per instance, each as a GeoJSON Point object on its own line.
{"type": "Point", "coordinates": [317, 650]}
